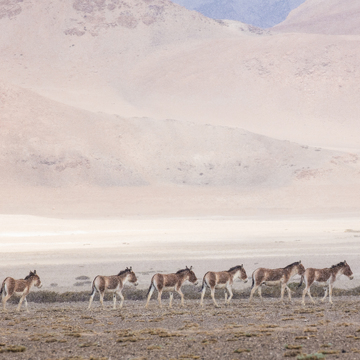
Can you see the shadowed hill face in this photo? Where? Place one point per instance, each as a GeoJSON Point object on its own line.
{"type": "Point", "coordinates": [331, 17]}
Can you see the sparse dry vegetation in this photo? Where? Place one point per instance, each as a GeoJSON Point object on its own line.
{"type": "Point", "coordinates": [238, 331]}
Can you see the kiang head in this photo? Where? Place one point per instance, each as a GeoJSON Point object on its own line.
{"type": "Point", "coordinates": [239, 272]}
{"type": "Point", "coordinates": [346, 270]}
{"type": "Point", "coordinates": [191, 277]}
{"type": "Point", "coordinates": [300, 268]}
{"type": "Point", "coordinates": [243, 273]}
{"type": "Point", "coordinates": [131, 277]}
{"type": "Point", "coordinates": [34, 278]}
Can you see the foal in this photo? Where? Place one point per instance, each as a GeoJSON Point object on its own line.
{"type": "Point", "coordinates": [222, 279]}
{"type": "Point", "coordinates": [171, 282]}
{"type": "Point", "coordinates": [114, 284]}
{"type": "Point", "coordinates": [21, 287]}
{"type": "Point", "coordinates": [325, 276]}
{"type": "Point", "coordinates": [282, 276]}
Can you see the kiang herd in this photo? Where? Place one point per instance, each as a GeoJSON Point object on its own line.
{"type": "Point", "coordinates": [212, 280]}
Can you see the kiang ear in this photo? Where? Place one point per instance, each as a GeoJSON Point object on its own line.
{"type": "Point", "coordinates": [34, 272]}
{"type": "Point", "coordinates": [242, 265]}
{"type": "Point", "coordinates": [190, 267]}
{"type": "Point", "coordinates": [187, 267]}
{"type": "Point", "coordinates": [130, 268]}
{"type": "Point", "coordinates": [300, 262]}
{"type": "Point", "coordinates": [345, 262]}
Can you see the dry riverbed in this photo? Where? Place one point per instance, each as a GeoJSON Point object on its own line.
{"type": "Point", "coordinates": [239, 331]}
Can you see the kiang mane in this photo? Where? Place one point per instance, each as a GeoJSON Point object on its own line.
{"type": "Point", "coordinates": [339, 264]}
{"type": "Point", "coordinates": [123, 272]}
{"type": "Point", "coordinates": [28, 276]}
{"type": "Point", "coordinates": [237, 267]}
{"type": "Point", "coordinates": [181, 271]}
{"type": "Point", "coordinates": [293, 264]}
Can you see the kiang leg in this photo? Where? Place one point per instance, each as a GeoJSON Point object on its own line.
{"type": "Point", "coordinates": [26, 304]}
{"type": "Point", "coordinates": [20, 302]}
{"type": "Point", "coordinates": [326, 293]}
{"type": "Point", "coordinates": [303, 295]}
{"type": "Point", "coordinates": [91, 299]}
{"type": "Point", "coordinates": [283, 286]}
{"type": "Point", "coordinates": [330, 293]}
{"type": "Point", "coordinates": [5, 298]}
{"type": "Point", "coordinates": [309, 293]}
{"type": "Point", "coordinates": [213, 296]}
{"type": "Point", "coordinates": [182, 296]}
{"type": "Point", "coordinates": [159, 297]}
{"type": "Point", "coordinates": [121, 299]}
{"type": "Point", "coordinates": [202, 295]}
{"type": "Point", "coordinates": [260, 295]}
{"type": "Point", "coordinates": [102, 299]}
{"type": "Point", "coordinates": [171, 299]}
{"type": "Point", "coordinates": [149, 295]}
{"type": "Point", "coordinates": [253, 292]}
{"type": "Point", "coordinates": [114, 300]}
{"type": "Point", "coordinates": [228, 288]}
{"type": "Point", "coordinates": [288, 291]}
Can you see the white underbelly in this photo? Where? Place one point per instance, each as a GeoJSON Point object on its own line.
{"type": "Point", "coordinates": [169, 288]}
{"type": "Point", "coordinates": [272, 283]}
{"type": "Point", "coordinates": [220, 286]}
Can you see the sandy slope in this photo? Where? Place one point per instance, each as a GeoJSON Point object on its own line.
{"type": "Point", "coordinates": [49, 144]}
{"type": "Point", "coordinates": [331, 17]}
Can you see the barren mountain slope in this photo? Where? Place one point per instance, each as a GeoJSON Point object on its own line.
{"type": "Point", "coordinates": [52, 153]}
{"type": "Point", "coordinates": [335, 17]}
{"type": "Point", "coordinates": [157, 59]}
{"type": "Point", "coordinates": [45, 143]}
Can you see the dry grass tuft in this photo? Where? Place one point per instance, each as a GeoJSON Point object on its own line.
{"type": "Point", "coordinates": [292, 353]}
{"type": "Point", "coordinates": [314, 356]}
{"type": "Point", "coordinates": [240, 351]}
{"type": "Point", "coordinates": [13, 349]}
{"type": "Point", "coordinates": [329, 352]}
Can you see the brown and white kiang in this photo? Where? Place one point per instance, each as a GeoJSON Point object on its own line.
{"type": "Point", "coordinates": [171, 282]}
{"type": "Point", "coordinates": [271, 277]}
{"type": "Point", "coordinates": [222, 279]}
{"type": "Point", "coordinates": [325, 277]}
{"type": "Point", "coordinates": [19, 287]}
{"type": "Point", "coordinates": [114, 284]}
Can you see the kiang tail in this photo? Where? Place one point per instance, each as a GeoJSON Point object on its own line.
{"type": "Point", "coordinates": [93, 288]}
{"type": "Point", "coordinates": [253, 282]}
{"type": "Point", "coordinates": [3, 287]}
{"type": "Point", "coordinates": [151, 285]}
{"type": "Point", "coordinates": [203, 286]}
{"type": "Point", "coordinates": [301, 281]}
